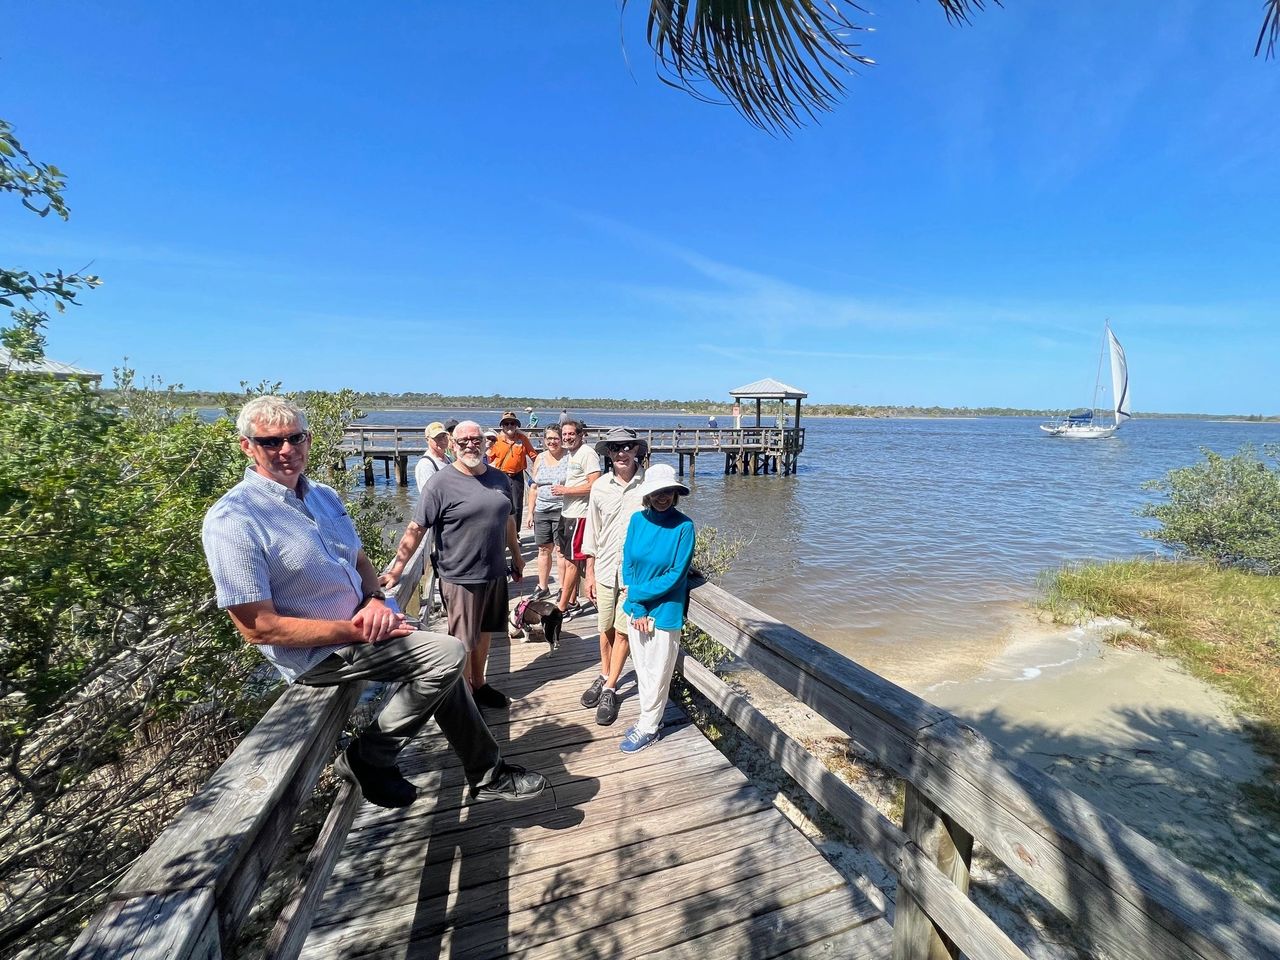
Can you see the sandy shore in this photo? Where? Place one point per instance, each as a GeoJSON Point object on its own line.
{"type": "Point", "coordinates": [1130, 731]}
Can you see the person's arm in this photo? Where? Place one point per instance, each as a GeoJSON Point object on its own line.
{"type": "Point", "coordinates": [513, 544]}
{"type": "Point", "coordinates": [259, 622]}
{"type": "Point", "coordinates": [404, 552]}
{"type": "Point", "coordinates": [589, 545]}
{"type": "Point", "coordinates": [560, 490]}
{"type": "Point", "coordinates": [532, 497]}
{"type": "Point", "coordinates": [682, 556]}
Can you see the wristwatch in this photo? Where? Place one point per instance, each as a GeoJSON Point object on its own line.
{"type": "Point", "coordinates": [378, 594]}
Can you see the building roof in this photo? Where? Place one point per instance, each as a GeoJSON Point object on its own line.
{"type": "Point", "coordinates": [769, 389]}
{"type": "Point", "coordinates": [54, 368]}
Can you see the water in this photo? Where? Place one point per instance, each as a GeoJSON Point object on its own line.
{"type": "Point", "coordinates": [920, 534]}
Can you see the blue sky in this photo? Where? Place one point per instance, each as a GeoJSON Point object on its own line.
{"type": "Point", "coordinates": [477, 198]}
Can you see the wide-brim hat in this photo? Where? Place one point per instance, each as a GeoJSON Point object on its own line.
{"type": "Point", "coordinates": [509, 415]}
{"type": "Point", "coordinates": [490, 433]}
{"type": "Point", "coordinates": [661, 476]}
{"type": "Point", "coordinates": [622, 435]}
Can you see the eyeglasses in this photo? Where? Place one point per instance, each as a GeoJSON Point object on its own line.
{"type": "Point", "coordinates": [275, 443]}
{"type": "Point", "coordinates": [551, 436]}
{"type": "Point", "coordinates": [468, 441]}
{"type": "Point", "coordinates": [620, 447]}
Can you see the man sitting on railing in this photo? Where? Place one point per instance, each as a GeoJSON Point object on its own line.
{"type": "Point", "coordinates": [290, 570]}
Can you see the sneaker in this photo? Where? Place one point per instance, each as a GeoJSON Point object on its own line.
{"type": "Point", "coordinates": [572, 609]}
{"type": "Point", "coordinates": [381, 786]}
{"type": "Point", "coordinates": [511, 783]}
{"type": "Point", "coordinates": [607, 709]}
{"type": "Point", "coordinates": [635, 741]}
{"type": "Point", "coordinates": [492, 697]}
{"type": "Point", "coordinates": [540, 593]}
{"type": "Point", "coordinates": [592, 696]}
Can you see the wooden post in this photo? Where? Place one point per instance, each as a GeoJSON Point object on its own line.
{"type": "Point", "coordinates": [914, 935]}
{"type": "Point", "coordinates": [691, 456]}
{"type": "Point", "coordinates": [386, 469]}
{"type": "Point", "coordinates": [402, 469]}
{"type": "Point", "coordinates": [368, 471]}
{"type": "Point", "coordinates": [680, 470]}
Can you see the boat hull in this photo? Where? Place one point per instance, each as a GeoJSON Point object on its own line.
{"type": "Point", "coordinates": [1072, 432]}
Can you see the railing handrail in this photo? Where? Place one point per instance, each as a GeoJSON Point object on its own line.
{"type": "Point", "coordinates": [1132, 897]}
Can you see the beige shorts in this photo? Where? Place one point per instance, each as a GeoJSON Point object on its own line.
{"type": "Point", "coordinates": [609, 613]}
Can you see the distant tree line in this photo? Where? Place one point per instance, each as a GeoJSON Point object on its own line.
{"type": "Point", "coordinates": [495, 401]}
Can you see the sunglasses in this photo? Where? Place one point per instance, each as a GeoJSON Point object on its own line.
{"type": "Point", "coordinates": [275, 443]}
{"type": "Point", "coordinates": [620, 447]}
{"type": "Point", "coordinates": [468, 441]}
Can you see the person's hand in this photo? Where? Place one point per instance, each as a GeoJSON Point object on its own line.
{"type": "Point", "coordinates": [517, 570]}
{"type": "Point", "coordinates": [376, 621]}
{"type": "Point", "coordinates": [591, 587]}
{"type": "Point", "coordinates": [528, 520]}
{"type": "Point", "coordinates": [558, 489]}
{"type": "Point", "coordinates": [388, 580]}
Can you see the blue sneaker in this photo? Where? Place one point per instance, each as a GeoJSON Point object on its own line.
{"type": "Point", "coordinates": [635, 741]}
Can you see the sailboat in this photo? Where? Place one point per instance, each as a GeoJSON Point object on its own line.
{"type": "Point", "coordinates": [1092, 424]}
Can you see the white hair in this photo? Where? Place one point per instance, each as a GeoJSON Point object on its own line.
{"type": "Point", "coordinates": [269, 411]}
{"type": "Point", "coordinates": [468, 423]}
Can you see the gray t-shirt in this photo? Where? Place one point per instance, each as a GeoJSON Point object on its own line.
{"type": "Point", "coordinates": [468, 517]}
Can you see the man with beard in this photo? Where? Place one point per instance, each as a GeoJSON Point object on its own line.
{"type": "Point", "coordinates": [614, 498]}
{"type": "Point", "coordinates": [467, 507]}
{"type": "Point", "coordinates": [290, 570]}
{"type": "Point", "coordinates": [582, 472]}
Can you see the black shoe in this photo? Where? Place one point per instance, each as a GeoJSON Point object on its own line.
{"type": "Point", "coordinates": [491, 697]}
{"type": "Point", "coordinates": [607, 709]}
{"type": "Point", "coordinates": [511, 783]}
{"type": "Point", "coordinates": [540, 593]}
{"type": "Point", "coordinates": [381, 786]}
{"type": "Point", "coordinates": [592, 695]}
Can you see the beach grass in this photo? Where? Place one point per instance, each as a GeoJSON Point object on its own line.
{"type": "Point", "coordinates": [1223, 625]}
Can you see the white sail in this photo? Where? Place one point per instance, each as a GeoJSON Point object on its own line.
{"type": "Point", "coordinates": [1119, 379]}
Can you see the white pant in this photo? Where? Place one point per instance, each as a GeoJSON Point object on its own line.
{"type": "Point", "coordinates": [654, 657]}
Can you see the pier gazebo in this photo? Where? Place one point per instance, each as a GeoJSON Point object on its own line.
{"type": "Point", "coordinates": [789, 439]}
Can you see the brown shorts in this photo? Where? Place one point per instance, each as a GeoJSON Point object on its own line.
{"type": "Point", "coordinates": [475, 608]}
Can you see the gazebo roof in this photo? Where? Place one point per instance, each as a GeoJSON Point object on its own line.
{"type": "Point", "coordinates": [769, 389]}
{"type": "Point", "coordinates": [59, 370]}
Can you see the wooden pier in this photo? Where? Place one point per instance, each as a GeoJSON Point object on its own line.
{"type": "Point", "coordinates": [670, 852]}
{"type": "Point", "coordinates": [746, 450]}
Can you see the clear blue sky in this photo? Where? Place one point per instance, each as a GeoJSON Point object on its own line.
{"type": "Point", "coordinates": [477, 198]}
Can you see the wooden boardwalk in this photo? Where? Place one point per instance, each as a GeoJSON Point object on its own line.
{"type": "Point", "coordinates": [670, 852]}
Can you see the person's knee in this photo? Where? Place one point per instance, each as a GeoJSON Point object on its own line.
{"type": "Point", "coordinates": [453, 653]}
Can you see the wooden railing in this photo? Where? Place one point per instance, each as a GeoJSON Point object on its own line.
{"type": "Point", "coordinates": [1126, 896]}
{"type": "Point", "coordinates": [188, 895]}
{"type": "Point", "coordinates": [389, 440]}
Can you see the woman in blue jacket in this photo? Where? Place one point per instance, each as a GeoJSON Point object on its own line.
{"type": "Point", "coordinates": [655, 572]}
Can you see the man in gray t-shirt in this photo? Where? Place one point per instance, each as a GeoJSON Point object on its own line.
{"type": "Point", "coordinates": [467, 508]}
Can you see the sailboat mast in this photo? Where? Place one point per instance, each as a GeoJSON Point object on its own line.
{"type": "Point", "coordinates": [1097, 381]}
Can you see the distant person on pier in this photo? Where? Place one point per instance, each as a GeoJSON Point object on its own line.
{"type": "Point", "coordinates": [449, 426]}
{"type": "Point", "coordinates": [564, 417]}
{"type": "Point", "coordinates": [467, 509]}
{"type": "Point", "coordinates": [437, 455]}
{"type": "Point", "coordinates": [614, 498]}
{"type": "Point", "coordinates": [582, 472]}
{"type": "Point", "coordinates": [533, 420]}
{"type": "Point", "coordinates": [543, 508]}
{"type": "Point", "coordinates": [490, 438]}
{"type": "Point", "coordinates": [290, 570]}
{"type": "Point", "coordinates": [711, 422]}
{"type": "Point", "coordinates": [513, 454]}
{"type": "Point", "coordinates": [656, 556]}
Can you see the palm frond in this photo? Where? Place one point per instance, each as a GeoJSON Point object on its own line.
{"type": "Point", "coordinates": [778, 62]}
{"type": "Point", "coordinates": [1270, 32]}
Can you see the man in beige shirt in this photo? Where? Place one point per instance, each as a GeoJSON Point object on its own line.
{"type": "Point", "coordinates": [614, 498]}
{"type": "Point", "coordinates": [582, 472]}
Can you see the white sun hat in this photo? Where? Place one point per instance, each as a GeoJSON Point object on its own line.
{"type": "Point", "coordinates": [661, 476]}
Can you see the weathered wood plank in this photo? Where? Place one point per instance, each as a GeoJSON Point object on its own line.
{"type": "Point", "coordinates": [915, 935]}
{"type": "Point", "coordinates": [172, 926]}
{"type": "Point", "coordinates": [208, 841]}
{"type": "Point", "coordinates": [797, 929]}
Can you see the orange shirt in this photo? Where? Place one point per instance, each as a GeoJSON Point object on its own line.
{"type": "Point", "coordinates": [512, 456]}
